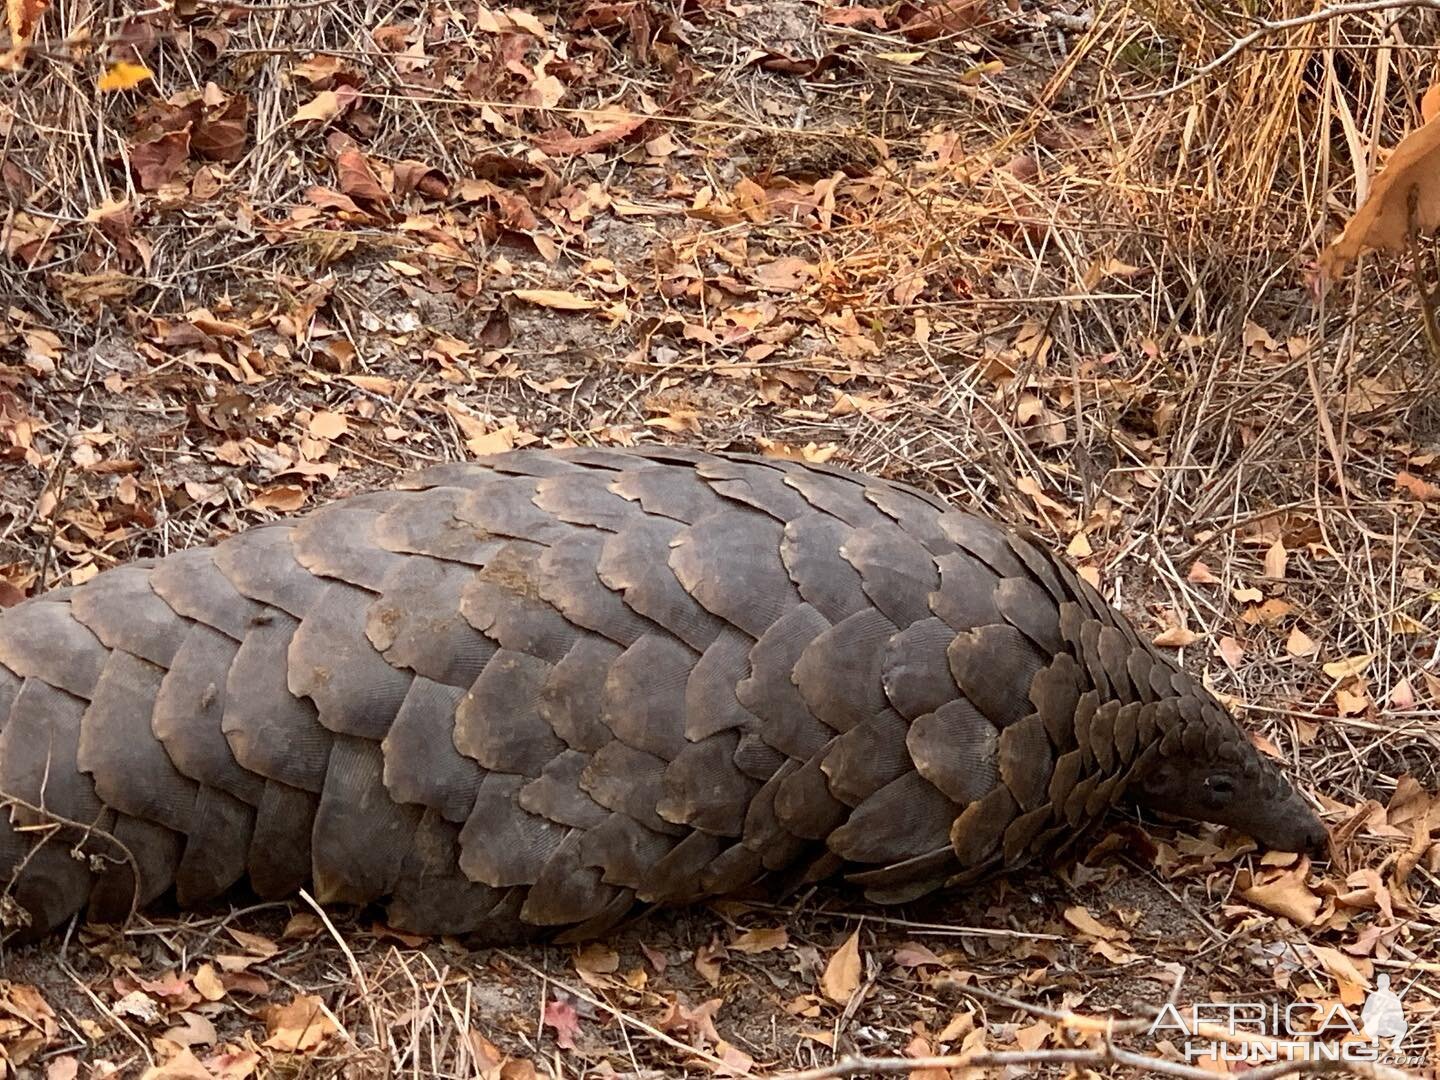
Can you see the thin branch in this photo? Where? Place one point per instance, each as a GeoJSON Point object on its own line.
{"type": "Point", "coordinates": [1268, 27]}
{"type": "Point", "coordinates": [857, 1064]}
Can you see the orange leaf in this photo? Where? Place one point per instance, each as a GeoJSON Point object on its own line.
{"type": "Point", "coordinates": [123, 75]}
{"type": "Point", "coordinates": [561, 142]}
{"type": "Point", "coordinates": [1419, 487]}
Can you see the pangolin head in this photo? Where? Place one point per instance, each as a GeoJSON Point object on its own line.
{"type": "Point", "coordinates": [1209, 770]}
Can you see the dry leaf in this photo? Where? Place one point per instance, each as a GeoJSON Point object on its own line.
{"type": "Point", "coordinates": [1082, 920]}
{"type": "Point", "coordinates": [1175, 637]}
{"type": "Point", "coordinates": [1231, 651]}
{"type": "Point", "coordinates": [1079, 547]}
{"type": "Point", "coordinates": [558, 299]}
{"type": "Point", "coordinates": [1287, 894]}
{"type": "Point", "coordinates": [286, 498]}
{"type": "Point", "coordinates": [841, 977]}
{"type": "Point", "coordinates": [124, 75]}
{"type": "Point", "coordinates": [561, 1016]}
{"type": "Point", "coordinates": [327, 105]}
{"type": "Point", "coordinates": [1403, 696]}
{"type": "Point", "coordinates": [759, 941]}
{"type": "Point", "coordinates": [597, 959]}
{"type": "Point", "coordinates": [1200, 575]}
{"type": "Point", "coordinates": [1300, 643]}
{"type": "Point", "coordinates": [183, 1066]}
{"type": "Point", "coordinates": [912, 954]}
{"type": "Point", "coordinates": [1351, 701]}
{"type": "Point", "coordinates": [1275, 559]}
{"type": "Point", "coordinates": [1417, 486]}
{"type": "Point", "coordinates": [1344, 669]}
{"type": "Point", "coordinates": [208, 984]}
{"type": "Point", "coordinates": [328, 425]}
{"type": "Point", "coordinates": [785, 274]}
{"type": "Point", "coordinates": [298, 1027]}
{"type": "Point", "coordinates": [560, 142]}
{"type": "Point", "coordinates": [1384, 219]}
{"type": "Point", "coordinates": [23, 16]}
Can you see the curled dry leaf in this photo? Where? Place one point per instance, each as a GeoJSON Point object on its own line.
{"type": "Point", "coordinates": [1417, 486]}
{"type": "Point", "coordinates": [1286, 894]}
{"type": "Point", "coordinates": [1275, 559]}
{"type": "Point", "coordinates": [298, 1027]}
{"type": "Point", "coordinates": [327, 105]}
{"type": "Point", "coordinates": [1384, 218]}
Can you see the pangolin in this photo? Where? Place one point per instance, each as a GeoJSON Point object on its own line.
{"type": "Point", "coordinates": [525, 695]}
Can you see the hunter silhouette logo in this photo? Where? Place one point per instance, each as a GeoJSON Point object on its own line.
{"type": "Point", "coordinates": [1382, 1015]}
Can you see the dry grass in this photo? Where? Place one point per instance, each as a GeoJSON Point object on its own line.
{"type": "Point", "coordinates": [1049, 286]}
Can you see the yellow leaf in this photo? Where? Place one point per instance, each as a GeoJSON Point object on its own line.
{"type": "Point", "coordinates": [558, 299]}
{"type": "Point", "coordinates": [841, 977]}
{"type": "Point", "coordinates": [123, 75]}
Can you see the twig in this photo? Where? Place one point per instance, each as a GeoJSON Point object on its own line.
{"type": "Point", "coordinates": [1272, 27]}
{"type": "Point", "coordinates": [858, 1064]}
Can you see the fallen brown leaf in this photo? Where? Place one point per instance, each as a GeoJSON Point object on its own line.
{"type": "Point", "coordinates": [1384, 219]}
{"type": "Point", "coordinates": [299, 1027]}
{"type": "Point", "coordinates": [841, 977]}
{"type": "Point", "coordinates": [1287, 894]}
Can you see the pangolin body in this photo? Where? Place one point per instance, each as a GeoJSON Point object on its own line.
{"type": "Point", "coordinates": [528, 694]}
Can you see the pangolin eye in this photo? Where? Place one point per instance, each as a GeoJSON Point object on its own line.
{"type": "Point", "coordinates": [1221, 785]}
